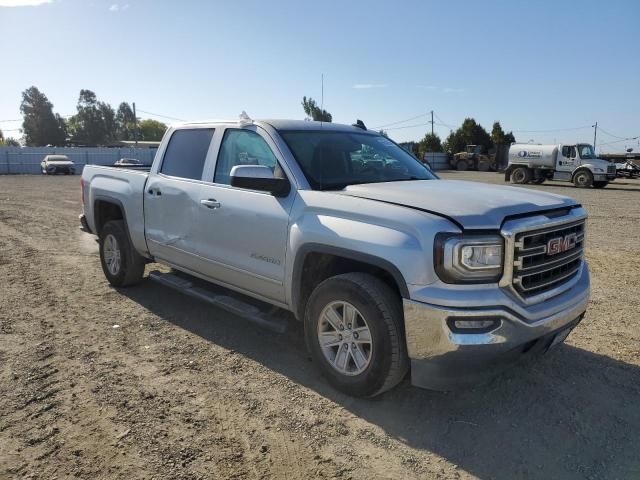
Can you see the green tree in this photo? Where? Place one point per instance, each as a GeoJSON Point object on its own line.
{"type": "Point", "coordinates": [125, 122]}
{"type": "Point", "coordinates": [431, 143]}
{"type": "Point", "coordinates": [95, 123]}
{"type": "Point", "coordinates": [40, 125]}
{"type": "Point", "coordinates": [151, 130]}
{"type": "Point", "coordinates": [469, 133]}
{"type": "Point", "coordinates": [499, 137]}
{"type": "Point", "coordinates": [314, 111]}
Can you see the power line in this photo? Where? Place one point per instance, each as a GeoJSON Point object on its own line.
{"type": "Point", "coordinates": [161, 116]}
{"type": "Point", "coordinates": [616, 136]}
{"type": "Point", "coordinates": [552, 130]}
{"type": "Point", "coordinates": [401, 121]}
{"type": "Point", "coordinates": [417, 125]}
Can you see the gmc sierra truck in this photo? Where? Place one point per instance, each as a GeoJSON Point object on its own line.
{"type": "Point", "coordinates": [389, 268]}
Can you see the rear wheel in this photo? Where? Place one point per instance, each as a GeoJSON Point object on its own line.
{"type": "Point", "coordinates": [583, 179]}
{"type": "Point", "coordinates": [462, 166]}
{"type": "Point", "coordinates": [353, 327]}
{"type": "Point", "coordinates": [520, 175]}
{"type": "Point", "coordinates": [600, 184]}
{"type": "Point", "coordinates": [121, 264]}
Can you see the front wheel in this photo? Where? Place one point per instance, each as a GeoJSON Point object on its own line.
{"type": "Point", "coordinates": [121, 263]}
{"type": "Point", "coordinates": [583, 179]}
{"type": "Point", "coordinates": [462, 166]}
{"type": "Point", "coordinates": [353, 328]}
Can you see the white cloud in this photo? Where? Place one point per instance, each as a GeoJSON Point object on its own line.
{"type": "Point", "coordinates": [369, 85]}
{"type": "Point", "coordinates": [23, 3]}
{"type": "Point", "coordinates": [116, 8]}
{"type": "Point", "coordinates": [427, 87]}
{"type": "Point", "coordinates": [453, 90]}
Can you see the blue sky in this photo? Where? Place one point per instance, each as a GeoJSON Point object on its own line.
{"type": "Point", "coordinates": [533, 65]}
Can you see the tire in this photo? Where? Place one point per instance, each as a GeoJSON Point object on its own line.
{"type": "Point", "coordinates": [114, 241]}
{"type": "Point", "coordinates": [462, 166]}
{"type": "Point", "coordinates": [382, 362]}
{"type": "Point", "coordinates": [484, 166]}
{"type": "Point", "coordinates": [583, 179]}
{"type": "Point", "coordinates": [520, 175]}
{"type": "Point", "coordinates": [600, 184]}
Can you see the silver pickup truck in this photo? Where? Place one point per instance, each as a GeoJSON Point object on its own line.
{"type": "Point", "coordinates": [389, 268]}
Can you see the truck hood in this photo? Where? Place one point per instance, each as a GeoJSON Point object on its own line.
{"type": "Point", "coordinates": [471, 204]}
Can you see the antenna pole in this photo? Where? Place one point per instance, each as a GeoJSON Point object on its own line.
{"type": "Point", "coordinates": [595, 133]}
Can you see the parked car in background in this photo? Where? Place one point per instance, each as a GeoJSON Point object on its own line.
{"type": "Point", "coordinates": [627, 169]}
{"type": "Point", "coordinates": [127, 162]}
{"type": "Point", "coordinates": [52, 164]}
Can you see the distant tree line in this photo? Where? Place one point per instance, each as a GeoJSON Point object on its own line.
{"type": "Point", "coordinates": [469, 133]}
{"type": "Point", "coordinates": [95, 123]}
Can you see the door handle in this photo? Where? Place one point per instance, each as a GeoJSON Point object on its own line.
{"type": "Point", "coordinates": [156, 192]}
{"type": "Point", "coordinates": [210, 203]}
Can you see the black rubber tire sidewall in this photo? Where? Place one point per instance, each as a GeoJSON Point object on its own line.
{"type": "Point", "coordinates": [130, 271]}
{"type": "Point", "coordinates": [373, 379]}
{"type": "Point", "coordinates": [525, 174]}
{"type": "Point", "coordinates": [462, 166]}
{"type": "Point", "coordinates": [581, 173]}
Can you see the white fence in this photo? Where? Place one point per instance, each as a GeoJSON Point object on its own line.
{"type": "Point", "coordinates": [15, 160]}
{"type": "Point", "coordinates": [438, 161]}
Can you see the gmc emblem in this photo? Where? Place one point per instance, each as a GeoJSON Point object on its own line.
{"type": "Point", "coordinates": [561, 244]}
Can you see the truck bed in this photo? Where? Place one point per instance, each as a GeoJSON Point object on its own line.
{"type": "Point", "coordinates": [123, 186]}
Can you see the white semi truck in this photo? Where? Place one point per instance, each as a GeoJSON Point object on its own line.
{"type": "Point", "coordinates": [575, 163]}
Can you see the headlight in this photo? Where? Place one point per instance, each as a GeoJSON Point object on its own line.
{"type": "Point", "coordinates": [598, 170]}
{"type": "Point", "coordinates": [468, 258]}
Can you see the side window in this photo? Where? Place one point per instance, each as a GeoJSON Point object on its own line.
{"type": "Point", "coordinates": [242, 147]}
{"type": "Point", "coordinates": [186, 153]}
{"type": "Point", "coordinates": [573, 152]}
{"type": "Point", "coordinates": [565, 151]}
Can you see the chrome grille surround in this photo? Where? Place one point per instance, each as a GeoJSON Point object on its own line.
{"type": "Point", "coordinates": [529, 274]}
{"type": "Point", "coordinates": [611, 169]}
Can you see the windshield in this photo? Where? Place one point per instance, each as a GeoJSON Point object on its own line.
{"type": "Point", "coordinates": [586, 151]}
{"type": "Point", "coordinates": [332, 160]}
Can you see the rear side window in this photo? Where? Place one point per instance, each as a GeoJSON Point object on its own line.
{"type": "Point", "coordinates": [186, 153]}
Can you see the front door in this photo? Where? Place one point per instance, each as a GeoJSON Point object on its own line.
{"type": "Point", "coordinates": [242, 233]}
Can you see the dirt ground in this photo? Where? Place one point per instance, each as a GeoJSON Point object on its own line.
{"type": "Point", "coordinates": [146, 383]}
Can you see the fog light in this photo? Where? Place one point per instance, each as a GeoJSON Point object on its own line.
{"type": "Point", "coordinates": [473, 325]}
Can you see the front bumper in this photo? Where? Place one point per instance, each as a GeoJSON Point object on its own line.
{"type": "Point", "coordinates": [442, 359]}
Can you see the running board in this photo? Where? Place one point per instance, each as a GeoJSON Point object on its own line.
{"type": "Point", "coordinates": [229, 302]}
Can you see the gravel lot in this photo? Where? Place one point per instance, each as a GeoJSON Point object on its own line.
{"type": "Point", "coordinates": [182, 390]}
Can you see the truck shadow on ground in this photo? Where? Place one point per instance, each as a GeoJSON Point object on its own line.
{"type": "Point", "coordinates": [572, 414]}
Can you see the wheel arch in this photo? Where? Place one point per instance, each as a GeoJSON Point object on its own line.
{"type": "Point", "coordinates": [319, 262]}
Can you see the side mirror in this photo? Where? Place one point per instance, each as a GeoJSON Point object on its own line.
{"type": "Point", "coordinates": [259, 177]}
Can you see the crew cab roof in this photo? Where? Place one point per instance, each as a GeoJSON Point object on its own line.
{"type": "Point", "coordinates": [280, 124]}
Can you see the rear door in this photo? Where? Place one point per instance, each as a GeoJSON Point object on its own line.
{"type": "Point", "coordinates": [172, 197]}
{"type": "Point", "coordinates": [242, 234]}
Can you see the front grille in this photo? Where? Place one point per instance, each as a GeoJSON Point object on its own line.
{"type": "Point", "coordinates": [611, 169]}
{"type": "Point", "coordinates": [546, 258]}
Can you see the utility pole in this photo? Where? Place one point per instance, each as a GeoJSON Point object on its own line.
{"type": "Point", "coordinates": [432, 123]}
{"type": "Point", "coordinates": [135, 124]}
{"type": "Point", "coordinates": [595, 132]}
